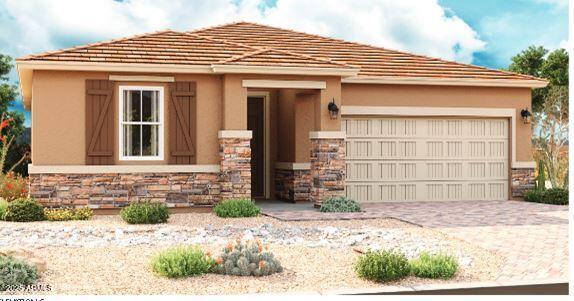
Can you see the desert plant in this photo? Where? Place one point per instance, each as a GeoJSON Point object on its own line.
{"type": "Point", "coordinates": [247, 259]}
{"type": "Point", "coordinates": [24, 210]}
{"type": "Point", "coordinates": [68, 214]}
{"type": "Point", "coordinates": [340, 204]}
{"type": "Point", "coordinates": [382, 266]}
{"type": "Point", "coordinates": [13, 187]}
{"type": "Point", "coordinates": [182, 261]}
{"type": "Point", "coordinates": [145, 213]}
{"type": "Point", "coordinates": [534, 195]}
{"type": "Point", "coordinates": [434, 266]}
{"type": "Point", "coordinates": [541, 178]}
{"type": "Point", "coordinates": [242, 207]}
{"type": "Point", "coordinates": [556, 196]}
{"type": "Point", "coordinates": [16, 273]}
{"type": "Point", "coordinates": [3, 208]}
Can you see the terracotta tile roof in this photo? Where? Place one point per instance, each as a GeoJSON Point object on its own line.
{"type": "Point", "coordinates": [373, 61]}
{"type": "Point", "coordinates": [163, 47]}
{"type": "Point", "coordinates": [280, 58]}
{"type": "Point", "coordinates": [251, 44]}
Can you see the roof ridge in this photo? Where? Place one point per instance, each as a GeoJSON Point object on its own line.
{"type": "Point", "coordinates": [271, 49]}
{"type": "Point", "coordinates": [61, 50]}
{"type": "Point", "coordinates": [378, 47]}
{"type": "Point", "coordinates": [243, 55]}
{"type": "Point", "coordinates": [320, 59]}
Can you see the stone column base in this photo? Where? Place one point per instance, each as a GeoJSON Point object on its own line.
{"type": "Point", "coordinates": [522, 180]}
{"type": "Point", "coordinates": [235, 161]}
{"type": "Point", "coordinates": [327, 165]}
{"type": "Point", "coordinates": [293, 185]}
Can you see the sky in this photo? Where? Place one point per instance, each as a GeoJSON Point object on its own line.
{"type": "Point", "coordinates": [481, 32]}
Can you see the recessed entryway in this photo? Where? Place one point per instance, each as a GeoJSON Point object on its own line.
{"type": "Point", "coordinates": [256, 124]}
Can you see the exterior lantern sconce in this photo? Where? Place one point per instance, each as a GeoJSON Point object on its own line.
{"type": "Point", "coordinates": [526, 115]}
{"type": "Point", "coordinates": [333, 109]}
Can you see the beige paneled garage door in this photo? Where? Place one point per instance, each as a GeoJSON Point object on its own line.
{"type": "Point", "coordinates": [422, 159]}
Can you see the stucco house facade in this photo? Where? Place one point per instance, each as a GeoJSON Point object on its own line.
{"type": "Point", "coordinates": [248, 110]}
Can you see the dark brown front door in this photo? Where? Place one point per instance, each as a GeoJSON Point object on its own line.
{"type": "Point", "coordinates": [256, 124]}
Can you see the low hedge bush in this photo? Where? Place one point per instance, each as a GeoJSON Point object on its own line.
{"type": "Point", "coordinates": [340, 204]}
{"type": "Point", "coordinates": [534, 195]}
{"type": "Point", "coordinates": [382, 266]}
{"type": "Point", "coordinates": [182, 261]}
{"type": "Point", "coordinates": [15, 273]}
{"type": "Point", "coordinates": [68, 214]}
{"type": "Point", "coordinates": [434, 266]}
{"type": "Point", "coordinates": [145, 213]}
{"type": "Point", "coordinates": [237, 208]}
{"type": "Point", "coordinates": [24, 210]}
{"type": "Point", "coordinates": [3, 208]}
{"type": "Point", "coordinates": [555, 196]}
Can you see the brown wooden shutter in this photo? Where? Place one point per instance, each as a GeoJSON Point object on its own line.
{"type": "Point", "coordinates": [182, 116]}
{"type": "Point", "coordinates": [99, 122]}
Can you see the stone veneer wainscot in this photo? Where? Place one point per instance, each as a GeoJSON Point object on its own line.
{"type": "Point", "coordinates": [114, 190]}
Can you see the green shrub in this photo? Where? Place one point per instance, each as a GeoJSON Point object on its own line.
{"type": "Point", "coordinates": [24, 210]}
{"type": "Point", "coordinates": [182, 261]}
{"type": "Point", "coordinates": [534, 195]}
{"type": "Point", "coordinates": [434, 266]}
{"type": "Point", "coordinates": [15, 272]}
{"type": "Point", "coordinates": [145, 213]}
{"type": "Point", "coordinates": [68, 214]}
{"type": "Point", "coordinates": [3, 208]}
{"type": "Point", "coordinates": [247, 259]}
{"type": "Point", "coordinates": [382, 266]}
{"type": "Point", "coordinates": [237, 208]}
{"type": "Point", "coordinates": [556, 196]}
{"type": "Point", "coordinates": [340, 204]}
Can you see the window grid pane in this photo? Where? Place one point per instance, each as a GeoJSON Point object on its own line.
{"type": "Point", "coordinates": [141, 122]}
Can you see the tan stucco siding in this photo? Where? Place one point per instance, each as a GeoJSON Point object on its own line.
{"type": "Point", "coordinates": [442, 96]}
{"type": "Point", "coordinates": [58, 117]}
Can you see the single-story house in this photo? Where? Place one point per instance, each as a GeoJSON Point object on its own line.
{"type": "Point", "coordinates": [248, 110]}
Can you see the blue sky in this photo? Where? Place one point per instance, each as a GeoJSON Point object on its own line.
{"type": "Point", "coordinates": [484, 32]}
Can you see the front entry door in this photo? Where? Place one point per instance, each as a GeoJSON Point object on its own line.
{"type": "Point", "coordinates": [256, 124]}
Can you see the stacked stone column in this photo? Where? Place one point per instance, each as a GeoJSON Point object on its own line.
{"type": "Point", "coordinates": [235, 161]}
{"type": "Point", "coordinates": [522, 180]}
{"type": "Point", "coordinates": [327, 165]}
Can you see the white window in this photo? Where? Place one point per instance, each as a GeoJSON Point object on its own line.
{"type": "Point", "coordinates": [141, 123]}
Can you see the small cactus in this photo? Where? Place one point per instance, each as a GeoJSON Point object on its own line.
{"type": "Point", "coordinates": [247, 259]}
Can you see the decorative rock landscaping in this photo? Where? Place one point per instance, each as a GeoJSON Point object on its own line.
{"type": "Point", "coordinates": [309, 252]}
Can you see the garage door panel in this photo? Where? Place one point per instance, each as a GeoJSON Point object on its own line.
{"type": "Point", "coordinates": [394, 159]}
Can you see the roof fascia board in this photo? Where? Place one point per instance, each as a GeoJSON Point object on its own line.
{"type": "Point", "coordinates": [344, 72]}
{"type": "Point", "coordinates": [283, 84]}
{"type": "Point", "coordinates": [519, 83]}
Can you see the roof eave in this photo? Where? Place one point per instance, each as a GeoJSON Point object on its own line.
{"type": "Point", "coordinates": [343, 72]}
{"type": "Point", "coordinates": [517, 83]}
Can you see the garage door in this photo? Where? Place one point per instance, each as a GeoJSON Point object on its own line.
{"type": "Point", "coordinates": [423, 159]}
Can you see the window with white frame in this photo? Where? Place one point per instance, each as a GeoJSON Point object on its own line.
{"type": "Point", "coordinates": [141, 123]}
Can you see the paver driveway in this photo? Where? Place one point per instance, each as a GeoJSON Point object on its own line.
{"type": "Point", "coordinates": [533, 238]}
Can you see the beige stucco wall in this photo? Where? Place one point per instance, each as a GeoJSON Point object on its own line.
{"type": "Point", "coordinates": [58, 111]}
{"type": "Point", "coordinates": [453, 96]}
{"type": "Point", "coordinates": [58, 117]}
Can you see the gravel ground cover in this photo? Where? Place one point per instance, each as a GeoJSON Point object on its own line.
{"type": "Point", "coordinates": [107, 256]}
